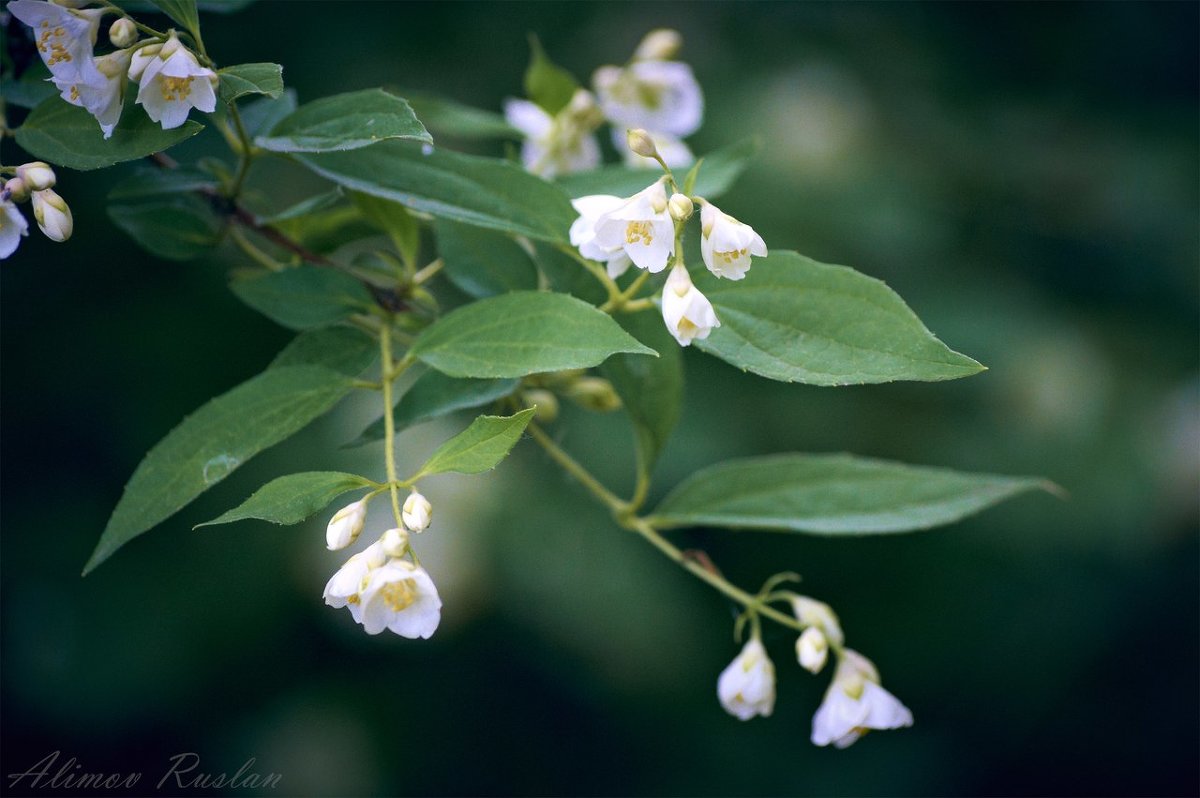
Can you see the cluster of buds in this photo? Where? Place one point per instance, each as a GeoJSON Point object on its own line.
{"type": "Point", "coordinates": [589, 392]}
{"type": "Point", "coordinates": [382, 588]}
{"type": "Point", "coordinates": [855, 702]}
{"type": "Point", "coordinates": [170, 79]}
{"type": "Point", "coordinates": [34, 183]}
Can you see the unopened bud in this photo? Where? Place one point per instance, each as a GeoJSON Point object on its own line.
{"type": "Point", "coordinates": [16, 190]}
{"type": "Point", "coordinates": [417, 512]}
{"type": "Point", "coordinates": [681, 207]}
{"type": "Point", "coordinates": [122, 33]}
{"type": "Point", "coordinates": [345, 525]}
{"type": "Point", "coordinates": [546, 404]}
{"type": "Point", "coordinates": [172, 46]}
{"type": "Point", "coordinates": [38, 176]}
{"type": "Point", "coordinates": [810, 612]}
{"type": "Point", "coordinates": [594, 393]}
{"type": "Point", "coordinates": [141, 59]}
{"type": "Point", "coordinates": [52, 214]}
{"type": "Point", "coordinates": [394, 542]}
{"type": "Point", "coordinates": [639, 141]}
{"type": "Point", "coordinates": [812, 649]}
{"type": "Point", "coordinates": [658, 45]}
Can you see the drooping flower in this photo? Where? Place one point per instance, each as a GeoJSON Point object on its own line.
{"type": "Point", "coordinates": [642, 227]}
{"type": "Point", "coordinates": [345, 587]}
{"type": "Point", "coordinates": [401, 597]}
{"type": "Point", "coordinates": [662, 97]}
{"type": "Point", "coordinates": [417, 512]}
{"type": "Point", "coordinates": [559, 144]}
{"type": "Point", "coordinates": [583, 232]}
{"type": "Point", "coordinates": [174, 83]}
{"type": "Point", "coordinates": [53, 215]}
{"type": "Point", "coordinates": [64, 36]}
{"type": "Point", "coordinates": [727, 244]}
{"type": "Point", "coordinates": [346, 524]}
{"type": "Point", "coordinates": [746, 687]}
{"type": "Point", "coordinates": [687, 313]}
{"type": "Point", "coordinates": [856, 703]}
{"type": "Point", "coordinates": [671, 149]}
{"type": "Point", "coordinates": [101, 89]}
{"type": "Point", "coordinates": [12, 227]}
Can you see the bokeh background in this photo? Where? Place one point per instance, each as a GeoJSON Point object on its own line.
{"type": "Point", "coordinates": [1025, 175]}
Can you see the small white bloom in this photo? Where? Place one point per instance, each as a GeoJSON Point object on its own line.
{"type": "Point", "coordinates": [659, 96]}
{"type": "Point", "coordinates": [687, 312]}
{"type": "Point", "coordinates": [123, 32]}
{"type": "Point", "coordinates": [12, 227]}
{"type": "Point", "coordinates": [345, 525]}
{"type": "Point", "coordinates": [812, 649]}
{"type": "Point", "coordinates": [395, 542]}
{"type": "Point", "coordinates": [400, 596]}
{"type": "Point", "coordinates": [560, 144]}
{"type": "Point", "coordinates": [583, 232]}
{"type": "Point", "coordinates": [642, 226]}
{"type": "Point", "coordinates": [344, 588]}
{"type": "Point", "coordinates": [53, 215]}
{"type": "Point", "coordinates": [810, 612]}
{"type": "Point", "coordinates": [142, 57]}
{"type": "Point", "coordinates": [64, 36]}
{"type": "Point", "coordinates": [671, 149]}
{"type": "Point", "coordinates": [658, 45]}
{"type": "Point", "coordinates": [38, 175]}
{"type": "Point", "coordinates": [856, 703]}
{"type": "Point", "coordinates": [101, 90]}
{"type": "Point", "coordinates": [174, 83]}
{"type": "Point", "coordinates": [727, 244]}
{"type": "Point", "coordinates": [747, 686]}
{"type": "Point", "coordinates": [417, 512]}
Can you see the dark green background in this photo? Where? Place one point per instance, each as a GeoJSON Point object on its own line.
{"type": "Point", "coordinates": [1025, 175]}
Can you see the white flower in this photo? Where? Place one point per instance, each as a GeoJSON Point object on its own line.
{"type": "Point", "coordinates": [53, 215]}
{"type": "Point", "coordinates": [672, 150]}
{"type": "Point", "coordinates": [344, 588]}
{"type": "Point", "coordinates": [687, 312]}
{"type": "Point", "coordinates": [100, 89]}
{"type": "Point", "coordinates": [64, 36]}
{"type": "Point", "coordinates": [642, 226]}
{"type": "Point", "coordinates": [417, 512]}
{"type": "Point", "coordinates": [812, 649]}
{"type": "Point", "coordinates": [583, 232]}
{"type": "Point", "coordinates": [12, 227]}
{"type": "Point", "coordinates": [560, 144]}
{"type": "Point", "coordinates": [400, 596]}
{"type": "Point", "coordinates": [659, 96]}
{"type": "Point", "coordinates": [169, 86]}
{"type": "Point", "coordinates": [345, 525]}
{"type": "Point", "coordinates": [37, 175]}
{"type": "Point", "coordinates": [727, 244]}
{"type": "Point", "coordinates": [143, 57]}
{"type": "Point", "coordinates": [747, 687]}
{"type": "Point", "coordinates": [856, 703]}
{"type": "Point", "coordinates": [810, 612]}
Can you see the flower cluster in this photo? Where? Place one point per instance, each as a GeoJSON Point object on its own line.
{"type": "Point", "coordinates": [170, 78]}
{"type": "Point", "coordinates": [32, 182]}
{"type": "Point", "coordinates": [381, 588]}
{"type": "Point", "coordinates": [855, 702]}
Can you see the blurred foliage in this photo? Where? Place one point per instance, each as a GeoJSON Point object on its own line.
{"type": "Point", "coordinates": [1024, 175]}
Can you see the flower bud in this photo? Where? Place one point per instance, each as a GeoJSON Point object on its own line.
{"type": "Point", "coordinates": [810, 612]}
{"type": "Point", "coordinates": [680, 207]}
{"type": "Point", "coordinates": [594, 393]}
{"type": "Point", "coordinates": [658, 45]}
{"type": "Point", "coordinates": [395, 542]}
{"type": "Point", "coordinates": [345, 525]}
{"type": "Point", "coordinates": [38, 176]}
{"type": "Point", "coordinates": [141, 59]}
{"type": "Point", "coordinates": [17, 189]}
{"type": "Point", "coordinates": [639, 141]}
{"type": "Point", "coordinates": [546, 404]}
{"type": "Point", "coordinates": [417, 512]}
{"type": "Point", "coordinates": [52, 215]}
{"type": "Point", "coordinates": [812, 649]}
{"type": "Point", "coordinates": [122, 33]}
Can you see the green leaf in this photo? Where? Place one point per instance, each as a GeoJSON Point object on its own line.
{"type": "Point", "coordinates": [482, 262]}
{"type": "Point", "coordinates": [209, 444]}
{"type": "Point", "coordinates": [161, 211]}
{"type": "Point", "coordinates": [480, 447]}
{"type": "Point", "coordinates": [521, 333]}
{"type": "Point", "coordinates": [797, 320]}
{"type": "Point", "coordinates": [445, 117]}
{"type": "Point", "coordinates": [546, 83]}
{"type": "Point", "coordinates": [345, 122]}
{"type": "Point", "coordinates": [306, 207]}
{"type": "Point", "coordinates": [264, 113]}
{"type": "Point", "coordinates": [345, 350]}
{"type": "Point", "coordinates": [485, 192]}
{"type": "Point", "coordinates": [183, 12]}
{"type": "Point", "coordinates": [325, 229]}
{"type": "Point", "coordinates": [651, 388]}
{"type": "Point", "coordinates": [259, 78]}
{"type": "Point", "coordinates": [291, 499]}
{"type": "Point", "coordinates": [303, 297]}
{"type": "Point", "coordinates": [394, 219]}
{"type": "Point", "coordinates": [147, 181]}
{"type": "Point", "coordinates": [69, 136]}
{"type": "Point", "coordinates": [832, 494]}
{"type": "Point", "coordinates": [434, 395]}
{"type": "Point", "coordinates": [27, 91]}
{"type": "Point", "coordinates": [716, 175]}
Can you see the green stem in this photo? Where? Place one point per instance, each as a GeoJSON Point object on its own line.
{"type": "Point", "coordinates": [245, 245]}
{"type": "Point", "coordinates": [391, 370]}
{"type": "Point", "coordinates": [246, 151]}
{"type": "Point", "coordinates": [571, 466]}
{"type": "Point", "coordinates": [618, 303]}
{"type": "Point", "coordinates": [597, 271]}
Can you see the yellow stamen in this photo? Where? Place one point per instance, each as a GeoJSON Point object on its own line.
{"type": "Point", "coordinates": [639, 232]}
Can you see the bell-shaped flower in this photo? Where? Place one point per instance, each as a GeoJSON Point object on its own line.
{"type": "Point", "coordinates": [401, 597]}
{"type": "Point", "coordinates": [856, 703]}
{"type": "Point", "coordinates": [101, 89]}
{"type": "Point", "coordinates": [660, 96]}
{"type": "Point", "coordinates": [672, 150]}
{"type": "Point", "coordinates": [417, 512]}
{"type": "Point", "coordinates": [746, 688]}
{"type": "Point", "coordinates": [345, 587]}
{"type": "Point", "coordinates": [727, 244]}
{"type": "Point", "coordinates": [642, 227]}
{"type": "Point", "coordinates": [12, 227]}
{"type": "Point", "coordinates": [346, 524]}
{"type": "Point", "coordinates": [583, 232]}
{"type": "Point", "coordinates": [687, 313]}
{"type": "Point", "coordinates": [174, 83]}
{"type": "Point", "coordinates": [559, 144]}
{"type": "Point", "coordinates": [64, 36]}
{"type": "Point", "coordinates": [52, 214]}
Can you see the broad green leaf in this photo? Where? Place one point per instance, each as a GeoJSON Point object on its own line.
{"type": "Point", "coordinates": [306, 207]}
{"type": "Point", "coordinates": [147, 181]}
{"type": "Point", "coordinates": [172, 226]}
{"type": "Point", "coordinates": [291, 499]}
{"type": "Point", "coordinates": [521, 333]}
{"type": "Point", "coordinates": [481, 262]}
{"type": "Point", "coordinates": [345, 122]}
{"type": "Point", "coordinates": [546, 83]}
{"type": "Point", "coordinates": [480, 447]}
{"type": "Point", "coordinates": [650, 387]}
{"type": "Point", "coordinates": [209, 444]}
{"type": "Point", "coordinates": [434, 395]}
{"type": "Point", "coordinates": [32, 88]}
{"type": "Point", "coordinates": [303, 297]}
{"type": "Point", "coordinates": [832, 494]}
{"type": "Point", "coordinates": [485, 192]}
{"type": "Point", "coordinates": [797, 320]}
{"type": "Point", "coordinates": [394, 219]}
{"type": "Point", "coordinates": [716, 175]}
{"type": "Point", "coordinates": [343, 349]}
{"type": "Point", "coordinates": [182, 12]}
{"type": "Point", "coordinates": [446, 117]}
{"type": "Point", "coordinates": [69, 136]}
{"type": "Point", "coordinates": [258, 78]}
{"type": "Point", "coordinates": [262, 114]}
